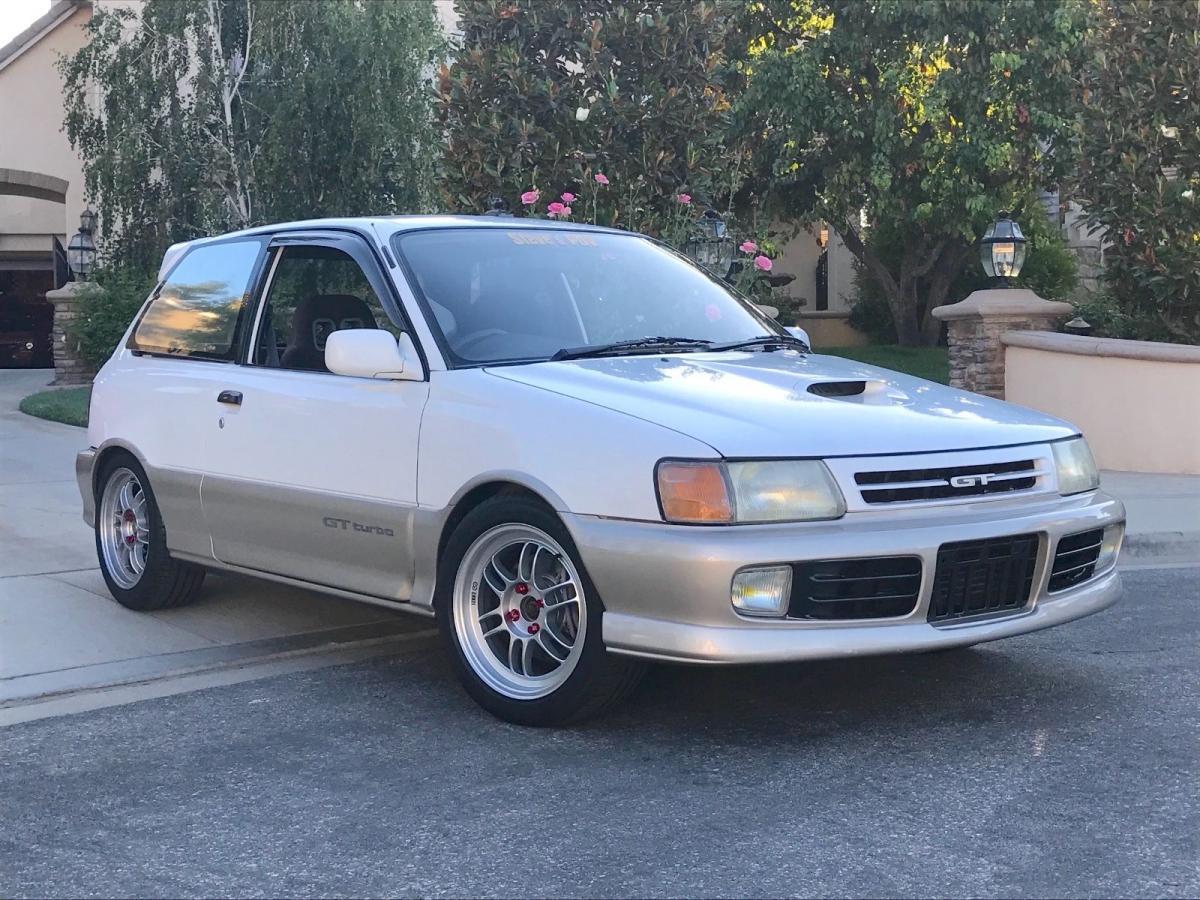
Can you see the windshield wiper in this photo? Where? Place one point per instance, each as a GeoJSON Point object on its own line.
{"type": "Point", "coordinates": [765, 341]}
{"type": "Point", "coordinates": [619, 347]}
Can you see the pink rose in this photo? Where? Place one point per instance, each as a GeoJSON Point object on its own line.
{"type": "Point", "coordinates": [685, 199]}
{"type": "Point", "coordinates": [748, 247]}
{"type": "Point", "coordinates": [601, 178]}
{"type": "Point", "coordinates": [763, 263]}
{"type": "Point", "coordinates": [566, 211]}
{"type": "Point", "coordinates": [567, 197]}
{"type": "Point", "coordinates": [555, 209]}
{"type": "Point", "coordinates": [712, 312]}
{"type": "Point", "coordinates": [530, 197]}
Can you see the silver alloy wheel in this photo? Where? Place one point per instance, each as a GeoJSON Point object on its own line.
{"type": "Point", "coordinates": [519, 611]}
{"type": "Point", "coordinates": [124, 526]}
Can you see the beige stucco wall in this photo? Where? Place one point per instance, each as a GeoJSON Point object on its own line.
{"type": "Point", "coordinates": [1138, 414]}
{"type": "Point", "coordinates": [31, 137]}
{"type": "Point", "coordinates": [831, 329]}
{"type": "Point", "coordinates": [798, 256]}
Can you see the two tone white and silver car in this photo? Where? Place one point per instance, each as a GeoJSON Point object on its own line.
{"type": "Point", "coordinates": [578, 451]}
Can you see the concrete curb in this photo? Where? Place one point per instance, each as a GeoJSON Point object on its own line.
{"type": "Point", "coordinates": [39, 687]}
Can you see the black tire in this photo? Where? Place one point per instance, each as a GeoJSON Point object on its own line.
{"type": "Point", "coordinates": [165, 582]}
{"type": "Point", "coordinates": [600, 679]}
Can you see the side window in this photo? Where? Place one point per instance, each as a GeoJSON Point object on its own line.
{"type": "Point", "coordinates": [200, 308]}
{"type": "Point", "coordinates": [314, 292]}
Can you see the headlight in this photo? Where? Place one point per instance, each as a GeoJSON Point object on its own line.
{"type": "Point", "coordinates": [1076, 468]}
{"type": "Point", "coordinates": [787, 490]}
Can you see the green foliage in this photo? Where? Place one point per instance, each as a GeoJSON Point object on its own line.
{"type": "Point", "coordinates": [930, 363]}
{"type": "Point", "coordinates": [228, 113]}
{"type": "Point", "coordinates": [105, 312]}
{"type": "Point", "coordinates": [1049, 272]}
{"type": "Point", "coordinates": [656, 79]}
{"type": "Point", "coordinates": [1139, 174]}
{"type": "Point", "coordinates": [929, 117]}
{"type": "Point", "coordinates": [66, 405]}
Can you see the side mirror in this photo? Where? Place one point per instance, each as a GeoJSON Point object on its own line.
{"type": "Point", "coordinates": [372, 353]}
{"type": "Point", "coordinates": [796, 331]}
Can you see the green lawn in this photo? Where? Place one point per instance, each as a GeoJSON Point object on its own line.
{"type": "Point", "coordinates": [66, 405]}
{"type": "Point", "coordinates": [924, 362]}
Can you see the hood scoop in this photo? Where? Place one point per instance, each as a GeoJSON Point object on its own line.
{"type": "Point", "coordinates": [837, 388]}
{"type": "Point", "coordinates": [864, 391]}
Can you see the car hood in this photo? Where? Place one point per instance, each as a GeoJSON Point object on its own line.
{"type": "Point", "coordinates": [753, 404]}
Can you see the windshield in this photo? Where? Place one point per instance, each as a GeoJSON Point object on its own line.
{"type": "Point", "coordinates": [500, 294]}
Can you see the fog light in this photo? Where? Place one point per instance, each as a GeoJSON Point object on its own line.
{"type": "Point", "coordinates": [762, 592]}
{"type": "Point", "coordinates": [1111, 546]}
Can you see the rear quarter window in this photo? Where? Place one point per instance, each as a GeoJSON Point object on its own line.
{"type": "Point", "coordinates": [200, 309]}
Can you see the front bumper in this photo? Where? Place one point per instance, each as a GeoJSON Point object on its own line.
{"type": "Point", "coordinates": [666, 588]}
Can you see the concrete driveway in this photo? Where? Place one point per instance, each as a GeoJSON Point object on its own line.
{"type": "Point", "coordinates": [59, 628]}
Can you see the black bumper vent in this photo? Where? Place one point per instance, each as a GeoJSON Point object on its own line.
{"type": "Point", "coordinates": [1075, 559]}
{"type": "Point", "coordinates": [872, 588]}
{"type": "Point", "coordinates": [914, 485]}
{"type": "Point", "coordinates": [982, 578]}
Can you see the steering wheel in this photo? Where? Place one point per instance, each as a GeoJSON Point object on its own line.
{"type": "Point", "coordinates": [475, 337]}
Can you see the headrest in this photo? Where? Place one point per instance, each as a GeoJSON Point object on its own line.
{"type": "Point", "coordinates": [316, 317]}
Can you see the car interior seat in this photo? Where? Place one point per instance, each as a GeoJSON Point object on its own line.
{"type": "Point", "coordinates": [314, 320]}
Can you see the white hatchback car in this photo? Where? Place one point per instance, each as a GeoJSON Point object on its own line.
{"type": "Point", "coordinates": [577, 450]}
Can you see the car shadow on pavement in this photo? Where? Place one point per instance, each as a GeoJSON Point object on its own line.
{"type": "Point", "coordinates": [809, 701]}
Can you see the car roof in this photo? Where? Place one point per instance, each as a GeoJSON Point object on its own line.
{"type": "Point", "coordinates": [386, 225]}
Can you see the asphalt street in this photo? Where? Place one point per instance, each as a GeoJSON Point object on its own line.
{"type": "Point", "coordinates": [1065, 763]}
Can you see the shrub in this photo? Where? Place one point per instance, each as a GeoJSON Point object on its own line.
{"type": "Point", "coordinates": [105, 313]}
{"type": "Point", "coordinates": [654, 78]}
{"type": "Point", "coordinates": [1139, 174]}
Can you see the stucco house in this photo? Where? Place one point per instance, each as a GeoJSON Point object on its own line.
{"type": "Point", "coordinates": [41, 180]}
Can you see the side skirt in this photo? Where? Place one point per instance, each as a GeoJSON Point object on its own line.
{"type": "Point", "coordinates": [210, 563]}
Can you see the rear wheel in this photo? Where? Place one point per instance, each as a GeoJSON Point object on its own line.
{"type": "Point", "coordinates": [131, 542]}
{"type": "Point", "coordinates": [523, 620]}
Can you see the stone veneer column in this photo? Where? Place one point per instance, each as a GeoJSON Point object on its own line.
{"type": "Point", "coordinates": [69, 368]}
{"type": "Point", "coordinates": [976, 324]}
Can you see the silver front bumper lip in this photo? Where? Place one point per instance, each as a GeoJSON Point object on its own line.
{"type": "Point", "coordinates": [666, 589]}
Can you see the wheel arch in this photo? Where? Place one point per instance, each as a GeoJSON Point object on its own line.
{"type": "Point", "coordinates": [472, 497]}
{"type": "Point", "coordinates": [107, 451]}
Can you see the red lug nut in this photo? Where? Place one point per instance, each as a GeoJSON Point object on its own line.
{"type": "Point", "coordinates": [512, 615]}
{"type": "Point", "coordinates": [522, 588]}
{"type": "Point", "coordinates": [535, 628]}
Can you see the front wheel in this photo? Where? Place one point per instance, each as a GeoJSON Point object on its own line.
{"type": "Point", "coordinates": [522, 619]}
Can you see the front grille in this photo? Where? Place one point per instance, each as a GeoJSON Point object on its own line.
{"type": "Point", "coordinates": [980, 578]}
{"type": "Point", "coordinates": [1075, 559]}
{"type": "Point", "coordinates": [870, 588]}
{"type": "Point", "coordinates": [911, 485]}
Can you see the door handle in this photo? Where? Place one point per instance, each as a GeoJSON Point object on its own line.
{"type": "Point", "coordinates": [234, 398]}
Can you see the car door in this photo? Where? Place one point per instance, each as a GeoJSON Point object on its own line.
{"type": "Point", "coordinates": [157, 395]}
{"type": "Point", "coordinates": [314, 474]}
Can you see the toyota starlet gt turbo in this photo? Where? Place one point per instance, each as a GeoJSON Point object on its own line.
{"type": "Point", "coordinates": [578, 451]}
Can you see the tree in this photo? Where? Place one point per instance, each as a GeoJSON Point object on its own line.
{"type": "Point", "coordinates": [1139, 172]}
{"type": "Point", "coordinates": [655, 78]}
{"type": "Point", "coordinates": [229, 113]}
{"type": "Point", "coordinates": [923, 118]}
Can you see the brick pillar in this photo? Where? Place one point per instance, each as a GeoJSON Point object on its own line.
{"type": "Point", "coordinates": [69, 368]}
{"type": "Point", "coordinates": [975, 325]}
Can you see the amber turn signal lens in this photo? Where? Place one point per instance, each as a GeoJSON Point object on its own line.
{"type": "Point", "coordinates": [694, 492]}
